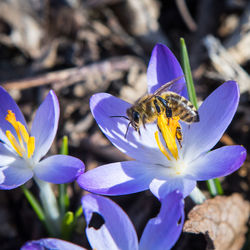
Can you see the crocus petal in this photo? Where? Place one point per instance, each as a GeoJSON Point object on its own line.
{"type": "Point", "coordinates": [7, 103]}
{"type": "Point", "coordinates": [16, 174]}
{"type": "Point", "coordinates": [6, 155]}
{"type": "Point", "coordinates": [217, 163]}
{"type": "Point", "coordinates": [164, 67]}
{"type": "Point", "coordinates": [162, 232]}
{"type": "Point", "coordinates": [45, 124]}
{"type": "Point", "coordinates": [118, 178]}
{"type": "Point", "coordinates": [2, 176]}
{"type": "Point", "coordinates": [216, 113]}
{"type": "Point", "coordinates": [117, 232]}
{"type": "Point", "coordinates": [160, 188]}
{"type": "Point", "coordinates": [59, 169]}
{"type": "Point", "coordinates": [143, 148]}
{"type": "Point", "coordinates": [50, 244]}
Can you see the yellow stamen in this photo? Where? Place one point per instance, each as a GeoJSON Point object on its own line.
{"type": "Point", "coordinates": [22, 135]}
{"type": "Point", "coordinates": [161, 147]}
{"type": "Point", "coordinates": [11, 118]}
{"type": "Point", "coordinates": [31, 146]}
{"type": "Point", "coordinates": [14, 143]}
{"type": "Point", "coordinates": [23, 131]}
{"type": "Point", "coordinates": [168, 127]}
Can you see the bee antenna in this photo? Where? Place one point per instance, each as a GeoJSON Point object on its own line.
{"type": "Point", "coordinates": [127, 130]}
{"type": "Point", "coordinates": [120, 116]}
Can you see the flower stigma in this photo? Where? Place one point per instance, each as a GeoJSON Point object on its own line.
{"type": "Point", "coordinates": [170, 130]}
{"type": "Point", "coordinates": [25, 145]}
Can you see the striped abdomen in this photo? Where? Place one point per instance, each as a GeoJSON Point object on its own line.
{"type": "Point", "coordinates": [181, 107]}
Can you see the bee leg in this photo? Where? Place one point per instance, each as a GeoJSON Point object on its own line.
{"type": "Point", "coordinates": [168, 121]}
{"type": "Point", "coordinates": [144, 121]}
{"type": "Point", "coordinates": [178, 135]}
{"type": "Point", "coordinates": [139, 132]}
{"type": "Point", "coordinates": [179, 141]}
{"type": "Point", "coordinates": [169, 112]}
{"type": "Point", "coordinates": [158, 109]}
{"type": "Point", "coordinates": [166, 105]}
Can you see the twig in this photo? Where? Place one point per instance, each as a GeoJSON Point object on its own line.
{"type": "Point", "coordinates": [96, 73]}
{"type": "Point", "coordinates": [225, 64]}
{"type": "Point", "coordinates": [238, 43]}
{"type": "Point", "coordinates": [187, 18]}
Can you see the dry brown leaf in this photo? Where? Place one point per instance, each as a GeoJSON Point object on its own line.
{"type": "Point", "coordinates": [222, 220]}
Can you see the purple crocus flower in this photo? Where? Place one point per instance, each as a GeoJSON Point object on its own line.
{"type": "Point", "coordinates": [50, 244]}
{"type": "Point", "coordinates": [21, 153]}
{"type": "Point", "coordinates": [117, 231]}
{"type": "Point", "coordinates": [157, 166]}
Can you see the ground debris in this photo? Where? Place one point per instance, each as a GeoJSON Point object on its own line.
{"type": "Point", "coordinates": [222, 220]}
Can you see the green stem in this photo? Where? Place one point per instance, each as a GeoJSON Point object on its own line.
{"type": "Point", "coordinates": [63, 197]}
{"type": "Point", "coordinates": [197, 196]}
{"type": "Point", "coordinates": [50, 206]}
{"type": "Point", "coordinates": [78, 212]}
{"type": "Point", "coordinates": [213, 185]}
{"type": "Point", "coordinates": [36, 207]}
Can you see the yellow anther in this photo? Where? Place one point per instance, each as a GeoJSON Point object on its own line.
{"type": "Point", "coordinates": [161, 147]}
{"type": "Point", "coordinates": [168, 127]}
{"type": "Point", "coordinates": [22, 135]}
{"type": "Point", "coordinates": [11, 118]}
{"type": "Point", "coordinates": [14, 143]}
{"type": "Point", "coordinates": [23, 131]}
{"type": "Point", "coordinates": [31, 146]}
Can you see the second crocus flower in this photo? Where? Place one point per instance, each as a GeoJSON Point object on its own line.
{"type": "Point", "coordinates": [21, 153]}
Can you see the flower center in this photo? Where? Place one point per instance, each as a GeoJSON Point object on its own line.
{"type": "Point", "coordinates": [24, 144]}
{"type": "Point", "coordinates": [171, 131]}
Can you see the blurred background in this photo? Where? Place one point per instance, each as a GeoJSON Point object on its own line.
{"type": "Point", "coordinates": [80, 47]}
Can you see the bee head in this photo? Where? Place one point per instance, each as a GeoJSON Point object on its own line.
{"type": "Point", "coordinates": [134, 117]}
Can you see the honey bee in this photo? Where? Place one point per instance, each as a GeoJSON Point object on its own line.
{"type": "Point", "coordinates": [147, 108]}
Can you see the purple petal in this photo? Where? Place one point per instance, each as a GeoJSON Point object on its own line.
{"type": "Point", "coordinates": [143, 148]}
{"type": "Point", "coordinates": [215, 113]}
{"type": "Point", "coordinates": [16, 174]}
{"type": "Point", "coordinates": [217, 163]}
{"type": "Point", "coordinates": [59, 169]}
{"type": "Point", "coordinates": [161, 188]}
{"type": "Point", "coordinates": [7, 103]}
{"type": "Point", "coordinates": [118, 178]}
{"type": "Point", "coordinates": [162, 232]}
{"type": "Point", "coordinates": [2, 177]}
{"type": "Point", "coordinates": [50, 244]}
{"type": "Point", "coordinates": [164, 67]}
{"type": "Point", "coordinates": [45, 124]}
{"type": "Point", "coordinates": [6, 155]}
{"type": "Point", "coordinates": [117, 232]}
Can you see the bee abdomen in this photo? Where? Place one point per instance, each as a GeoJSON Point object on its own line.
{"type": "Point", "coordinates": [183, 108]}
{"type": "Point", "coordinates": [190, 117]}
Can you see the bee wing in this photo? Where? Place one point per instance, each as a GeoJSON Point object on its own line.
{"type": "Point", "coordinates": [166, 85]}
{"type": "Point", "coordinates": [163, 88]}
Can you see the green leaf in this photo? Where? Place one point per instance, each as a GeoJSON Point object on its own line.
{"type": "Point", "coordinates": [65, 147]}
{"type": "Point", "coordinates": [34, 203]}
{"type": "Point", "coordinates": [78, 212]}
{"type": "Point", "coordinates": [214, 185]}
{"type": "Point", "coordinates": [63, 197]}
{"type": "Point", "coordinates": [188, 74]}
{"type": "Point", "coordinates": [67, 225]}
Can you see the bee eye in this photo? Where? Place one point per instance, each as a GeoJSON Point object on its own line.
{"type": "Point", "coordinates": [136, 116]}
